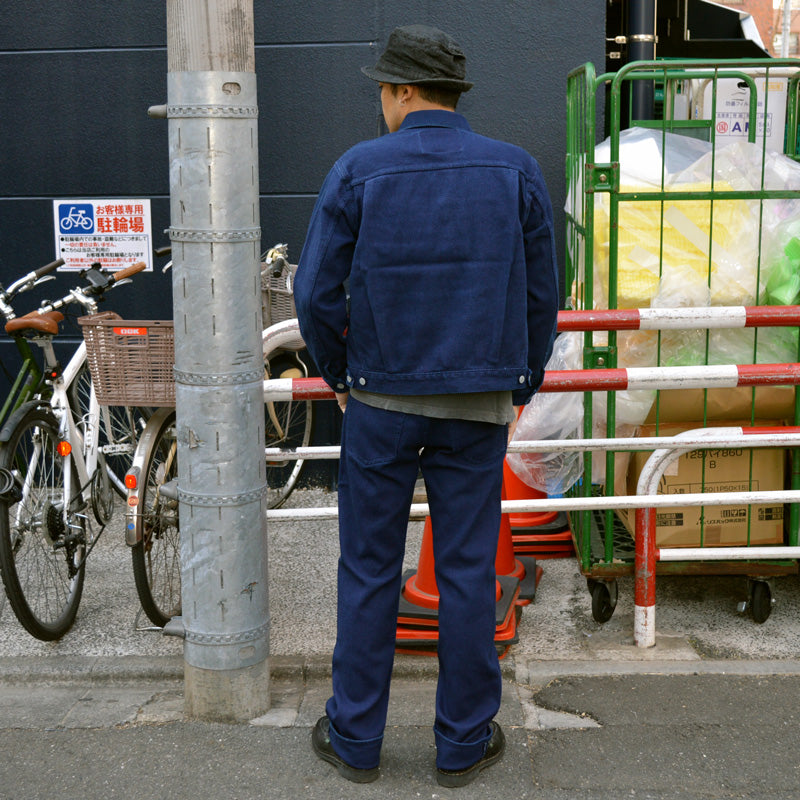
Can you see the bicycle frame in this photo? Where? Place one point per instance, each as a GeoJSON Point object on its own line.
{"type": "Point", "coordinates": [81, 461]}
{"type": "Point", "coordinates": [85, 457]}
{"type": "Point", "coordinates": [28, 382]}
{"type": "Point", "coordinates": [30, 378]}
{"type": "Point", "coordinates": [83, 453]}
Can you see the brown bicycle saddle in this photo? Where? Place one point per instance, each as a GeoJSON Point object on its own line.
{"type": "Point", "coordinates": [40, 323]}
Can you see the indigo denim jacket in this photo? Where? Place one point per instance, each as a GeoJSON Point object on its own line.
{"type": "Point", "coordinates": [443, 240]}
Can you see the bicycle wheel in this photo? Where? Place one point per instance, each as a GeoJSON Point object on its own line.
{"type": "Point", "coordinates": [120, 428]}
{"type": "Point", "coordinates": [42, 537]}
{"type": "Point", "coordinates": [287, 424]}
{"type": "Point", "coordinates": [156, 556]}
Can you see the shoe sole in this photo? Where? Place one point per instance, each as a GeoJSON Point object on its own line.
{"type": "Point", "coordinates": [456, 779]}
{"type": "Point", "coordinates": [453, 780]}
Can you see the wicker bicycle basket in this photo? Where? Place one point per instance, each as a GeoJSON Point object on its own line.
{"type": "Point", "coordinates": [277, 298]}
{"type": "Point", "coordinates": [130, 361]}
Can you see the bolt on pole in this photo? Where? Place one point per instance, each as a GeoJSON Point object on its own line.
{"type": "Point", "coordinates": [216, 241]}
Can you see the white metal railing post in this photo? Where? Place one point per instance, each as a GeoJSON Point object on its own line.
{"type": "Point", "coordinates": [644, 622]}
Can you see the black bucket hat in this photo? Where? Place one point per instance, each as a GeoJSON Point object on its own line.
{"type": "Point", "coordinates": [417, 54]}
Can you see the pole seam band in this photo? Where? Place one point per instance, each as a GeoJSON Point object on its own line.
{"type": "Point", "coordinates": [228, 638]}
{"type": "Point", "coordinates": [216, 111]}
{"type": "Point", "coordinates": [194, 235]}
{"type": "Point", "coordinates": [219, 379]}
{"type": "Point", "coordinates": [243, 498]}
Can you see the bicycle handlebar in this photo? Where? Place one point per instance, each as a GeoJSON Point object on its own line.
{"type": "Point", "coordinates": [99, 283]}
{"type": "Point", "coordinates": [127, 272]}
{"type": "Point", "coordinates": [27, 281]}
{"type": "Point", "coordinates": [23, 284]}
{"type": "Point", "coordinates": [47, 268]}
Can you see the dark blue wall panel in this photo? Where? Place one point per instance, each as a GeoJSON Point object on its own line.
{"type": "Point", "coordinates": [316, 22]}
{"type": "Point", "coordinates": [76, 80]}
{"type": "Point", "coordinates": [29, 25]}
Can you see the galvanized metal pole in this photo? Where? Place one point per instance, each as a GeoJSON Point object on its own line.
{"type": "Point", "coordinates": [215, 236]}
{"type": "Point", "coordinates": [786, 28]}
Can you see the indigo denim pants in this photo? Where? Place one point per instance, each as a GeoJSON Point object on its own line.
{"type": "Point", "coordinates": [462, 464]}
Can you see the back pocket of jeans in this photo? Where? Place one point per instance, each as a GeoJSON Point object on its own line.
{"type": "Point", "coordinates": [372, 435]}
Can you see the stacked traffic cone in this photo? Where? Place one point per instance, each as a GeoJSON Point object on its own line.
{"type": "Point", "coordinates": [544, 534]}
{"type": "Point", "coordinates": [417, 618]}
{"type": "Point", "coordinates": [507, 563]}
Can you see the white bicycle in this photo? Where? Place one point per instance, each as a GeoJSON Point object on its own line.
{"type": "Point", "coordinates": [53, 473]}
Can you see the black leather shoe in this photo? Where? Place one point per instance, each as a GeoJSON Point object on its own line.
{"type": "Point", "coordinates": [494, 752]}
{"type": "Point", "coordinates": [321, 742]}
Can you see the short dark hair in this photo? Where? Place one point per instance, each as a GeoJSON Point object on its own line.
{"type": "Point", "coordinates": [433, 94]}
{"type": "Point", "coordinates": [442, 97]}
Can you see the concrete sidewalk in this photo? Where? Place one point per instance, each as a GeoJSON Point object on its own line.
{"type": "Point", "coordinates": [618, 729]}
{"type": "Point", "coordinates": [710, 712]}
{"type": "Point", "coordinates": [696, 617]}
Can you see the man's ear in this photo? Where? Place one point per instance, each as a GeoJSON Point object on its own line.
{"type": "Point", "coordinates": [406, 93]}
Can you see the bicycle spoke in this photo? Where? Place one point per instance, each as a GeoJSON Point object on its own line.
{"type": "Point", "coordinates": [40, 545]}
{"type": "Point", "coordinates": [120, 427]}
{"type": "Point", "coordinates": [156, 557]}
{"type": "Point", "coordinates": [288, 425]}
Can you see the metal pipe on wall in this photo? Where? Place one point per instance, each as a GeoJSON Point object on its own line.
{"type": "Point", "coordinates": [215, 234]}
{"type": "Point", "coordinates": [642, 47]}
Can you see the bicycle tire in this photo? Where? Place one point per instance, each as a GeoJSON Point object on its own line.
{"type": "Point", "coordinates": [120, 428]}
{"type": "Point", "coordinates": [156, 556]}
{"type": "Point", "coordinates": [289, 425]}
{"type": "Point", "coordinates": [42, 548]}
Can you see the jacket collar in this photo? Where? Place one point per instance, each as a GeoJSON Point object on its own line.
{"type": "Point", "coordinates": [434, 119]}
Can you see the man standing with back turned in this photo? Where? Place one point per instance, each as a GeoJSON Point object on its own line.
{"type": "Point", "coordinates": [444, 241]}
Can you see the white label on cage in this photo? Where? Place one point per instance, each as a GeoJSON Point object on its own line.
{"type": "Point", "coordinates": [732, 110]}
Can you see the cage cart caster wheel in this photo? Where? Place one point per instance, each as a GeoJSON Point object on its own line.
{"type": "Point", "coordinates": [761, 600]}
{"type": "Point", "coordinates": [604, 599]}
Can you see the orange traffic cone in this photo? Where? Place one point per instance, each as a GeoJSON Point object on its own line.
{"type": "Point", "coordinates": [545, 534]}
{"type": "Point", "coordinates": [508, 563]}
{"type": "Point", "coordinates": [417, 617]}
{"type": "Point", "coordinates": [517, 489]}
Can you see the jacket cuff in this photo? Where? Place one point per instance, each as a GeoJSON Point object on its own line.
{"type": "Point", "coordinates": [521, 397]}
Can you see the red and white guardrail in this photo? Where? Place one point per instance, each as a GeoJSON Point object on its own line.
{"type": "Point", "coordinates": [646, 500]}
{"type": "Point", "coordinates": [691, 318]}
{"type": "Point", "coordinates": [725, 376]}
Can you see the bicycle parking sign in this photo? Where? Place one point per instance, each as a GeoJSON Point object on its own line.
{"type": "Point", "coordinates": [76, 218]}
{"type": "Point", "coordinates": [114, 232]}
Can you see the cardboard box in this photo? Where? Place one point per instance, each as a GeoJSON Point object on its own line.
{"type": "Point", "coordinates": [687, 405]}
{"type": "Point", "coordinates": [733, 107]}
{"type": "Point", "coordinates": [716, 470]}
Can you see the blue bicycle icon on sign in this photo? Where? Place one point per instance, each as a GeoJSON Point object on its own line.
{"type": "Point", "coordinates": [78, 218]}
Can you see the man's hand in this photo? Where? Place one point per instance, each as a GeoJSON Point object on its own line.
{"type": "Point", "coordinates": [341, 399]}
